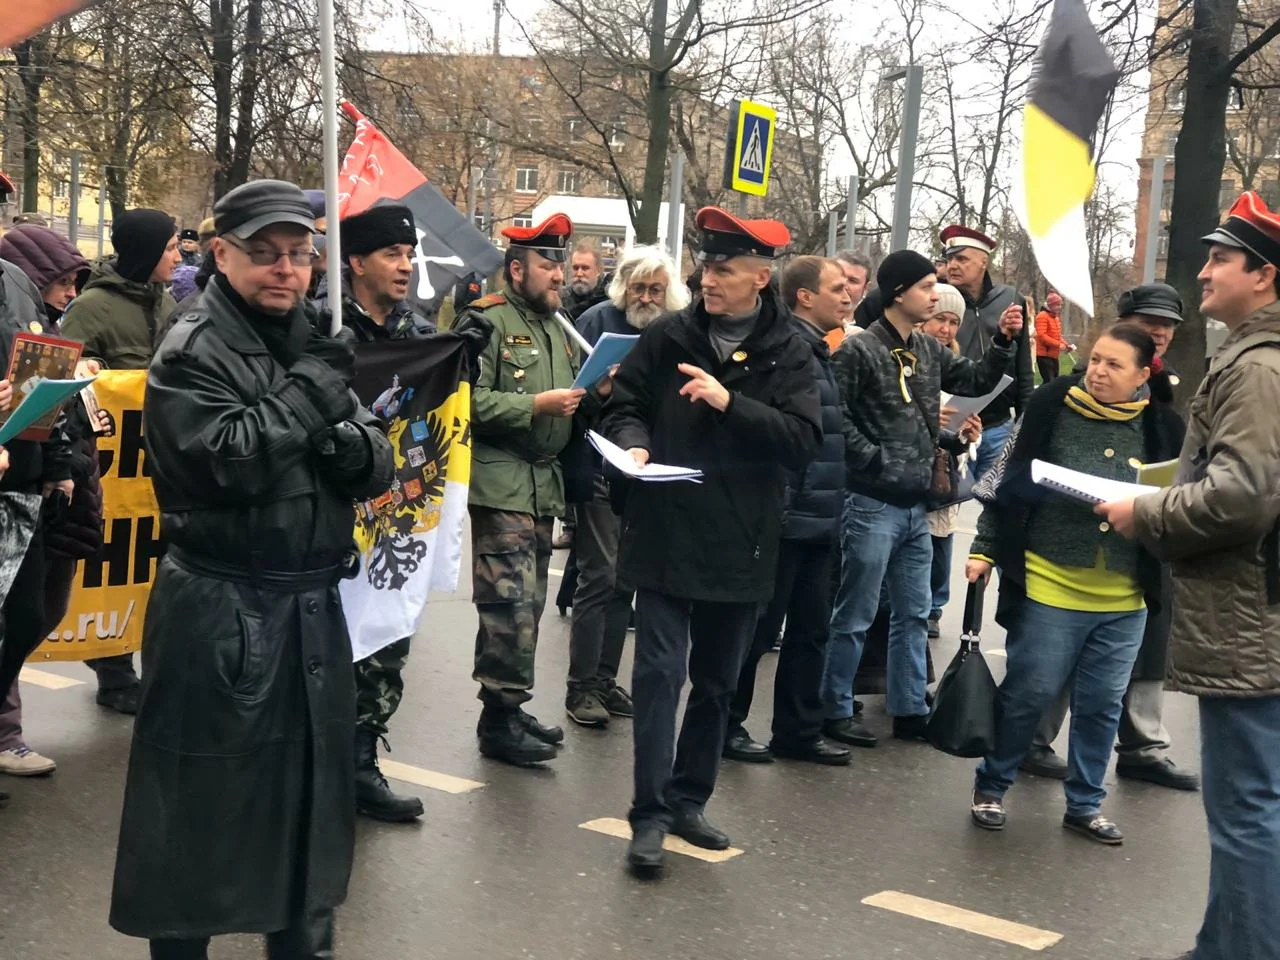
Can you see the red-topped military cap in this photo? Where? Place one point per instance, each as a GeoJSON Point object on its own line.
{"type": "Point", "coordinates": [956, 237]}
{"type": "Point", "coordinates": [1250, 226]}
{"type": "Point", "coordinates": [725, 236]}
{"type": "Point", "coordinates": [550, 238]}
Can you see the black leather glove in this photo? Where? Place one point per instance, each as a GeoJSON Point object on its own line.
{"type": "Point", "coordinates": [337, 352]}
{"type": "Point", "coordinates": [324, 388]}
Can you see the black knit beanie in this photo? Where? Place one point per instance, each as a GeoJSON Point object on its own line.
{"type": "Point", "coordinates": [139, 237]}
{"type": "Point", "coordinates": [900, 271]}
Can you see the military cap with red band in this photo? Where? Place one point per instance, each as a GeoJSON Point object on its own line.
{"type": "Point", "coordinates": [550, 238]}
{"type": "Point", "coordinates": [725, 236]}
{"type": "Point", "coordinates": [955, 238]}
{"type": "Point", "coordinates": [1250, 226]}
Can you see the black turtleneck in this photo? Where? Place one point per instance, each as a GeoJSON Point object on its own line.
{"type": "Point", "coordinates": [284, 336]}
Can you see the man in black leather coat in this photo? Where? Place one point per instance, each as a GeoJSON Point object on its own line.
{"type": "Point", "coordinates": [239, 810]}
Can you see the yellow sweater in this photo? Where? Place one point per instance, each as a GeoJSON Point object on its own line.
{"type": "Point", "coordinates": [1091, 589]}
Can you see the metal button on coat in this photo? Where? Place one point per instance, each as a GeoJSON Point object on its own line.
{"type": "Point", "coordinates": [313, 665]}
{"type": "Point", "coordinates": [1108, 452]}
{"type": "Point", "coordinates": [1104, 526]}
{"type": "Point", "coordinates": [312, 606]}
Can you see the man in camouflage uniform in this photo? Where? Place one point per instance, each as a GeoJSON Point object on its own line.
{"type": "Point", "coordinates": [377, 246]}
{"type": "Point", "coordinates": [522, 415]}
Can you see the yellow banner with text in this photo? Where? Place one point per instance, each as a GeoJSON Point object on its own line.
{"type": "Point", "coordinates": [109, 598]}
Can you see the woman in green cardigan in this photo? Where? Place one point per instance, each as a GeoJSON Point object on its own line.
{"type": "Point", "coordinates": [1074, 595]}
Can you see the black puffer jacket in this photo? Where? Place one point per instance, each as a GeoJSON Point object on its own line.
{"type": "Point", "coordinates": [889, 446]}
{"type": "Point", "coordinates": [815, 495]}
{"type": "Point", "coordinates": [715, 541]}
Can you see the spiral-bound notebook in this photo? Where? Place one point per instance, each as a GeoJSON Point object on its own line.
{"type": "Point", "coordinates": [1085, 486]}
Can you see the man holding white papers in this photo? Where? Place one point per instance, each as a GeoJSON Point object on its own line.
{"type": "Point", "coordinates": [523, 405]}
{"type": "Point", "coordinates": [724, 386]}
{"type": "Point", "coordinates": [891, 380]}
{"type": "Point", "coordinates": [645, 285]}
{"type": "Point", "coordinates": [1220, 527]}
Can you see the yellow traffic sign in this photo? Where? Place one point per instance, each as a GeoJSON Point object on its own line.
{"type": "Point", "coordinates": [749, 147]}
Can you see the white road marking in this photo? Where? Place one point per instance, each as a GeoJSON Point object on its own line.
{"type": "Point", "coordinates": [1006, 931]}
{"type": "Point", "coordinates": [555, 573]}
{"type": "Point", "coordinates": [50, 681]}
{"type": "Point", "coordinates": [426, 778]}
{"type": "Point", "coordinates": [613, 827]}
{"type": "Point", "coordinates": [997, 652]}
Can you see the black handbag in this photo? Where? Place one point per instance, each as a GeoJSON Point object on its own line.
{"type": "Point", "coordinates": [965, 705]}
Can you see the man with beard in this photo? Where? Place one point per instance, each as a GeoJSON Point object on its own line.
{"type": "Point", "coordinates": [725, 386]}
{"type": "Point", "coordinates": [587, 286]}
{"type": "Point", "coordinates": [645, 285]}
{"type": "Point", "coordinates": [239, 806]}
{"type": "Point", "coordinates": [522, 411]}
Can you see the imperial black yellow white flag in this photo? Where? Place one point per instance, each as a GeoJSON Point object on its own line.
{"type": "Point", "coordinates": [410, 538]}
{"type": "Point", "coordinates": [1073, 80]}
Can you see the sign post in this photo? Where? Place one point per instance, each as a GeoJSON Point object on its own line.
{"type": "Point", "coordinates": [749, 148]}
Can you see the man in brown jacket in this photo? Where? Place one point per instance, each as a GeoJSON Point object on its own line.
{"type": "Point", "coordinates": [1219, 525]}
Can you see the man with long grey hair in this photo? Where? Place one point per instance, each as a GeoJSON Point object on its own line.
{"type": "Point", "coordinates": [645, 286]}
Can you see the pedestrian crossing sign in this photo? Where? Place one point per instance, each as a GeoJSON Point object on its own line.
{"type": "Point", "coordinates": [749, 147]}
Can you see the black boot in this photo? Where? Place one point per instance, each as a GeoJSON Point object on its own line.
{"type": "Point", "coordinates": [180, 949]}
{"type": "Point", "coordinates": [374, 797]}
{"type": "Point", "coordinates": [503, 736]}
{"type": "Point", "coordinates": [308, 939]}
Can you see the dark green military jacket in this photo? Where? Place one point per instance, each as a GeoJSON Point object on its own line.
{"type": "Point", "coordinates": [513, 457]}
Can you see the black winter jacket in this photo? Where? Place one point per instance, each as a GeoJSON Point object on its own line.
{"type": "Point", "coordinates": [889, 446]}
{"type": "Point", "coordinates": [980, 323]}
{"type": "Point", "coordinates": [815, 495]}
{"type": "Point", "coordinates": [716, 541]}
{"type": "Point", "coordinates": [403, 323]}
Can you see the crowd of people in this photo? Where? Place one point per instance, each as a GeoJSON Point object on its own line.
{"type": "Point", "coordinates": [809, 392]}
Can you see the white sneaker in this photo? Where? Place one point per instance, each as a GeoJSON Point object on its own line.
{"type": "Point", "coordinates": [22, 761]}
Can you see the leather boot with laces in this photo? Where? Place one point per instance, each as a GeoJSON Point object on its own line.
{"type": "Point", "coordinates": [374, 796]}
{"type": "Point", "coordinates": [503, 736]}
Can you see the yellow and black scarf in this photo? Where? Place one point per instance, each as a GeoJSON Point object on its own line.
{"type": "Point", "coordinates": [1083, 403]}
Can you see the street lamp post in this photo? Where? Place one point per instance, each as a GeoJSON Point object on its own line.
{"type": "Point", "coordinates": [914, 76]}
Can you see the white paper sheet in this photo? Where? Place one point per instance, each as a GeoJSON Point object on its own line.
{"type": "Point", "coordinates": [652, 472]}
{"type": "Point", "coordinates": [968, 406]}
{"type": "Point", "coordinates": [1084, 486]}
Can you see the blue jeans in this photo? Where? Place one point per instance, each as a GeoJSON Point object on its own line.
{"type": "Point", "coordinates": [940, 574]}
{"type": "Point", "coordinates": [881, 543]}
{"type": "Point", "coordinates": [1240, 759]}
{"type": "Point", "coordinates": [1044, 647]}
{"type": "Point", "coordinates": [989, 447]}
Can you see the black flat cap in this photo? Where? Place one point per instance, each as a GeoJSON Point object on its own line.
{"type": "Point", "coordinates": [260, 203]}
{"type": "Point", "coordinates": [1151, 300]}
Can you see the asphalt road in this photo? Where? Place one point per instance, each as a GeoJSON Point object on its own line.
{"type": "Point", "coordinates": [504, 869]}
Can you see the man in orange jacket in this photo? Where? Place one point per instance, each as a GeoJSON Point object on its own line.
{"type": "Point", "coordinates": [1049, 342]}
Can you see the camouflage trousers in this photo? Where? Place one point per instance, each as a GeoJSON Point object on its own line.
{"type": "Point", "coordinates": [380, 686]}
{"type": "Point", "coordinates": [510, 555]}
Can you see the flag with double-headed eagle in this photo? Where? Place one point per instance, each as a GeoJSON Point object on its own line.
{"type": "Point", "coordinates": [1073, 80]}
{"type": "Point", "coordinates": [410, 538]}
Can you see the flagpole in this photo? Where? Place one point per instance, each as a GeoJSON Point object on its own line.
{"type": "Point", "coordinates": [329, 106]}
